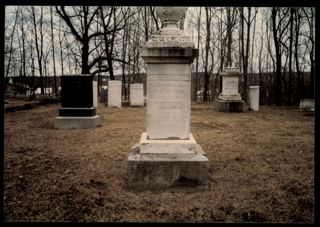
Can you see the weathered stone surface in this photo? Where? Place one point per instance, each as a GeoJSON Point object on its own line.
{"type": "Point", "coordinates": [187, 146]}
{"type": "Point", "coordinates": [156, 171]}
{"type": "Point", "coordinates": [169, 102]}
{"type": "Point", "coordinates": [114, 93]}
{"type": "Point", "coordinates": [136, 95]}
{"type": "Point", "coordinates": [77, 122]}
{"type": "Point", "coordinates": [170, 35]}
{"type": "Point", "coordinates": [254, 98]}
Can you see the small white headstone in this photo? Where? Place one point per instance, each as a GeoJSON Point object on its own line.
{"type": "Point", "coordinates": [254, 98]}
{"type": "Point", "coordinates": [136, 94]}
{"type": "Point", "coordinates": [114, 93]}
{"type": "Point", "coordinates": [95, 93]}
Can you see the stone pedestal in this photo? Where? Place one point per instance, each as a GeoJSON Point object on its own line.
{"type": "Point", "coordinates": [168, 155]}
{"type": "Point", "coordinates": [77, 110]}
{"type": "Point", "coordinates": [229, 99]}
{"type": "Point", "coordinates": [114, 93]}
{"type": "Point", "coordinates": [136, 95]}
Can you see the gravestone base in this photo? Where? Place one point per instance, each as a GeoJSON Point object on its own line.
{"type": "Point", "coordinates": [163, 164]}
{"type": "Point", "coordinates": [77, 112]}
{"type": "Point", "coordinates": [230, 106]}
{"type": "Point", "coordinates": [67, 122]}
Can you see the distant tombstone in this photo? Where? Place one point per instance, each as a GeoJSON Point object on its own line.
{"type": "Point", "coordinates": [136, 95]}
{"type": "Point", "coordinates": [230, 84]}
{"type": "Point", "coordinates": [59, 92]}
{"type": "Point", "coordinates": [306, 105]}
{"type": "Point", "coordinates": [104, 95]}
{"type": "Point", "coordinates": [77, 110]}
{"type": "Point", "coordinates": [229, 99]}
{"type": "Point", "coordinates": [114, 93]}
{"type": "Point", "coordinates": [254, 98]}
{"type": "Point", "coordinates": [95, 93]}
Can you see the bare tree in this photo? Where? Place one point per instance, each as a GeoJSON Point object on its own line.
{"type": "Point", "coordinates": [53, 53]}
{"type": "Point", "coordinates": [10, 50]}
{"type": "Point", "coordinates": [278, 16]}
{"type": "Point", "coordinates": [207, 49]}
{"type": "Point", "coordinates": [39, 46]}
{"type": "Point", "coordinates": [290, 57]}
{"type": "Point", "coordinates": [310, 16]}
{"type": "Point", "coordinates": [196, 87]}
{"type": "Point", "coordinates": [245, 46]}
{"type": "Point", "coordinates": [231, 22]}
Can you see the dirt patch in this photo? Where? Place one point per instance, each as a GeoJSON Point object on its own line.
{"type": "Point", "coordinates": [261, 168]}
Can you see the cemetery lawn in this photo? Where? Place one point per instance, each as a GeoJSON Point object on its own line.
{"type": "Point", "coordinates": [261, 168]}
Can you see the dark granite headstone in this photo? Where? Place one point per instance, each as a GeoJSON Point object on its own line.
{"type": "Point", "coordinates": [76, 96]}
{"type": "Point", "coordinates": [76, 91]}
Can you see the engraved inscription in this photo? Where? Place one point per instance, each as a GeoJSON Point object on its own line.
{"type": "Point", "coordinates": [230, 85]}
{"type": "Point", "coordinates": [168, 108]}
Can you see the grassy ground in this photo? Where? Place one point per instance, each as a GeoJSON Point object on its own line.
{"type": "Point", "coordinates": [261, 168]}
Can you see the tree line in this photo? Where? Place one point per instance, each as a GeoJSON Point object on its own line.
{"type": "Point", "coordinates": [273, 47]}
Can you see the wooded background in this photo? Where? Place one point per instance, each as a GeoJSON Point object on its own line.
{"type": "Point", "coordinates": [273, 47]}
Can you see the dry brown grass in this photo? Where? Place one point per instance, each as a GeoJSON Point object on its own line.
{"type": "Point", "coordinates": [261, 168]}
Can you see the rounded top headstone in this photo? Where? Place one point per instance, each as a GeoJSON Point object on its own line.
{"type": "Point", "coordinates": [170, 16]}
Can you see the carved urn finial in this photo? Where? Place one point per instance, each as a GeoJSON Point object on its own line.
{"type": "Point", "coordinates": [170, 16]}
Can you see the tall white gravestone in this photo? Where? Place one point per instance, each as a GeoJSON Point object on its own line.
{"type": "Point", "coordinates": [136, 94]}
{"type": "Point", "coordinates": [229, 99]}
{"type": "Point", "coordinates": [168, 155]}
{"type": "Point", "coordinates": [114, 93]}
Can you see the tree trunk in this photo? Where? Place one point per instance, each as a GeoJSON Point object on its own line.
{"type": "Point", "coordinates": [196, 87]}
{"type": "Point", "coordinates": [206, 75]}
{"type": "Point", "coordinates": [296, 55]}
{"type": "Point", "coordinates": [11, 49]}
{"type": "Point", "coordinates": [290, 58]}
{"type": "Point", "coordinates": [38, 48]}
{"type": "Point", "coordinates": [278, 81]}
{"type": "Point", "coordinates": [53, 56]}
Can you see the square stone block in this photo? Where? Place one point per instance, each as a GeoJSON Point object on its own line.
{"type": "Point", "coordinates": [162, 170]}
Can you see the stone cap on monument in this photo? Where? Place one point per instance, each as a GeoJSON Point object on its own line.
{"type": "Point", "coordinates": [231, 71]}
{"type": "Point", "coordinates": [170, 35]}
